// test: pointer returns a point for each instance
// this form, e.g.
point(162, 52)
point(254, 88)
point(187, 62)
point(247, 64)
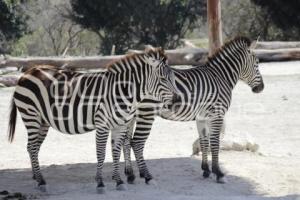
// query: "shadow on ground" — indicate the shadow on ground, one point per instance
point(177, 178)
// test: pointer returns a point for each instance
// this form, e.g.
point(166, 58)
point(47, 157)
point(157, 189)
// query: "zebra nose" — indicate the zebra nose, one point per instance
point(258, 88)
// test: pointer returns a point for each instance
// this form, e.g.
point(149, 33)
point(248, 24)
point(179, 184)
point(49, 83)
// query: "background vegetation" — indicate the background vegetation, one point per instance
point(93, 27)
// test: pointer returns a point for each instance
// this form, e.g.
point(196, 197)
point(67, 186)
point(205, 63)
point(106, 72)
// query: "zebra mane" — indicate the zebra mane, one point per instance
point(238, 39)
point(157, 52)
point(36, 71)
point(153, 52)
point(35, 67)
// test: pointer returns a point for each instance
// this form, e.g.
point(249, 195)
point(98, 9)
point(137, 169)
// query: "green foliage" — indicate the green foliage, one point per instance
point(38, 43)
point(134, 23)
point(53, 34)
point(201, 42)
point(12, 23)
point(89, 27)
point(285, 14)
point(248, 19)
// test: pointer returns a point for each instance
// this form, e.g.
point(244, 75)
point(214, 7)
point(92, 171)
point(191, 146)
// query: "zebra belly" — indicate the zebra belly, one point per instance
point(71, 119)
point(66, 119)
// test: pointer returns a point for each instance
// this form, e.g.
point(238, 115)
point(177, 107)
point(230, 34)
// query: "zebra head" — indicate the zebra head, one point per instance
point(162, 81)
point(250, 73)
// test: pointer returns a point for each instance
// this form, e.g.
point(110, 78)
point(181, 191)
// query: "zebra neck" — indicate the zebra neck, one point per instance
point(226, 68)
point(132, 81)
point(136, 71)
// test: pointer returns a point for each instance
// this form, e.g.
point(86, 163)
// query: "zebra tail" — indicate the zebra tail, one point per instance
point(12, 121)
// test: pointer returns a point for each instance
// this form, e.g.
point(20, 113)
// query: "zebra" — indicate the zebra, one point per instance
point(205, 96)
point(75, 103)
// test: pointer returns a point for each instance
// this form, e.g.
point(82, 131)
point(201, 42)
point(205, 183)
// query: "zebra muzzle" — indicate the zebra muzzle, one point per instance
point(258, 88)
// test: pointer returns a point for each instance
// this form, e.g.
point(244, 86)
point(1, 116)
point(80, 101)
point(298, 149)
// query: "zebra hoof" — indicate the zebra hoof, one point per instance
point(221, 180)
point(121, 187)
point(100, 190)
point(151, 182)
point(42, 188)
point(206, 174)
point(130, 179)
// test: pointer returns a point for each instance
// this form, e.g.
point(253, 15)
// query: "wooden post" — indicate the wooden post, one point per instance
point(214, 31)
point(214, 25)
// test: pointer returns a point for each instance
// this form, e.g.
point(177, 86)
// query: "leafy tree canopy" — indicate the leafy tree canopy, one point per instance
point(285, 14)
point(12, 22)
point(134, 23)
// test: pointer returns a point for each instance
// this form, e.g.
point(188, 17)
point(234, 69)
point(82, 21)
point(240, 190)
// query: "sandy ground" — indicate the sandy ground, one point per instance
point(271, 119)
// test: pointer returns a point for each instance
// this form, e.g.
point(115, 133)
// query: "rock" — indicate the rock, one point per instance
point(4, 192)
point(16, 195)
point(284, 98)
point(232, 143)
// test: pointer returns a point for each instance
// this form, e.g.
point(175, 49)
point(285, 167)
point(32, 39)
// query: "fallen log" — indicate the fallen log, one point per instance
point(278, 55)
point(90, 62)
point(190, 56)
point(277, 45)
point(186, 56)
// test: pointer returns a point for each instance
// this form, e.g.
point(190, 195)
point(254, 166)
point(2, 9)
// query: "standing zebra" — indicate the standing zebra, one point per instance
point(75, 103)
point(205, 93)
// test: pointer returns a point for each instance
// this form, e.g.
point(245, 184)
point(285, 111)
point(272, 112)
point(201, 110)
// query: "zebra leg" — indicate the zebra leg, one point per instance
point(204, 144)
point(142, 131)
point(128, 164)
point(127, 153)
point(101, 140)
point(117, 143)
point(36, 136)
point(215, 127)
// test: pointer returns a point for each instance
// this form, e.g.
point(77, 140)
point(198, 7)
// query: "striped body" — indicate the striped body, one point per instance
point(76, 103)
point(74, 100)
point(205, 93)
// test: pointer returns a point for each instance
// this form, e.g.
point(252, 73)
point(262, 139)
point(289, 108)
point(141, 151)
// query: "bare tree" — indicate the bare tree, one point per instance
point(52, 33)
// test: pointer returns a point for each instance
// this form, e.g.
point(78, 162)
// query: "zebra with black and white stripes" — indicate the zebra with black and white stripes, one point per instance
point(205, 93)
point(76, 103)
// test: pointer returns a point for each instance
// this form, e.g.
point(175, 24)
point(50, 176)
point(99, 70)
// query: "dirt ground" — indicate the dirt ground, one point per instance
point(271, 119)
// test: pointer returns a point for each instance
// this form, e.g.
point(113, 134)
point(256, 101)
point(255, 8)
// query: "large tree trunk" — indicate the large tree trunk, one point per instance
point(214, 33)
point(214, 25)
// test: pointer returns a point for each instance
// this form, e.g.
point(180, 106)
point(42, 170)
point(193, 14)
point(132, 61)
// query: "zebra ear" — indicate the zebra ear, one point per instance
point(151, 61)
point(254, 43)
point(161, 50)
point(149, 48)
